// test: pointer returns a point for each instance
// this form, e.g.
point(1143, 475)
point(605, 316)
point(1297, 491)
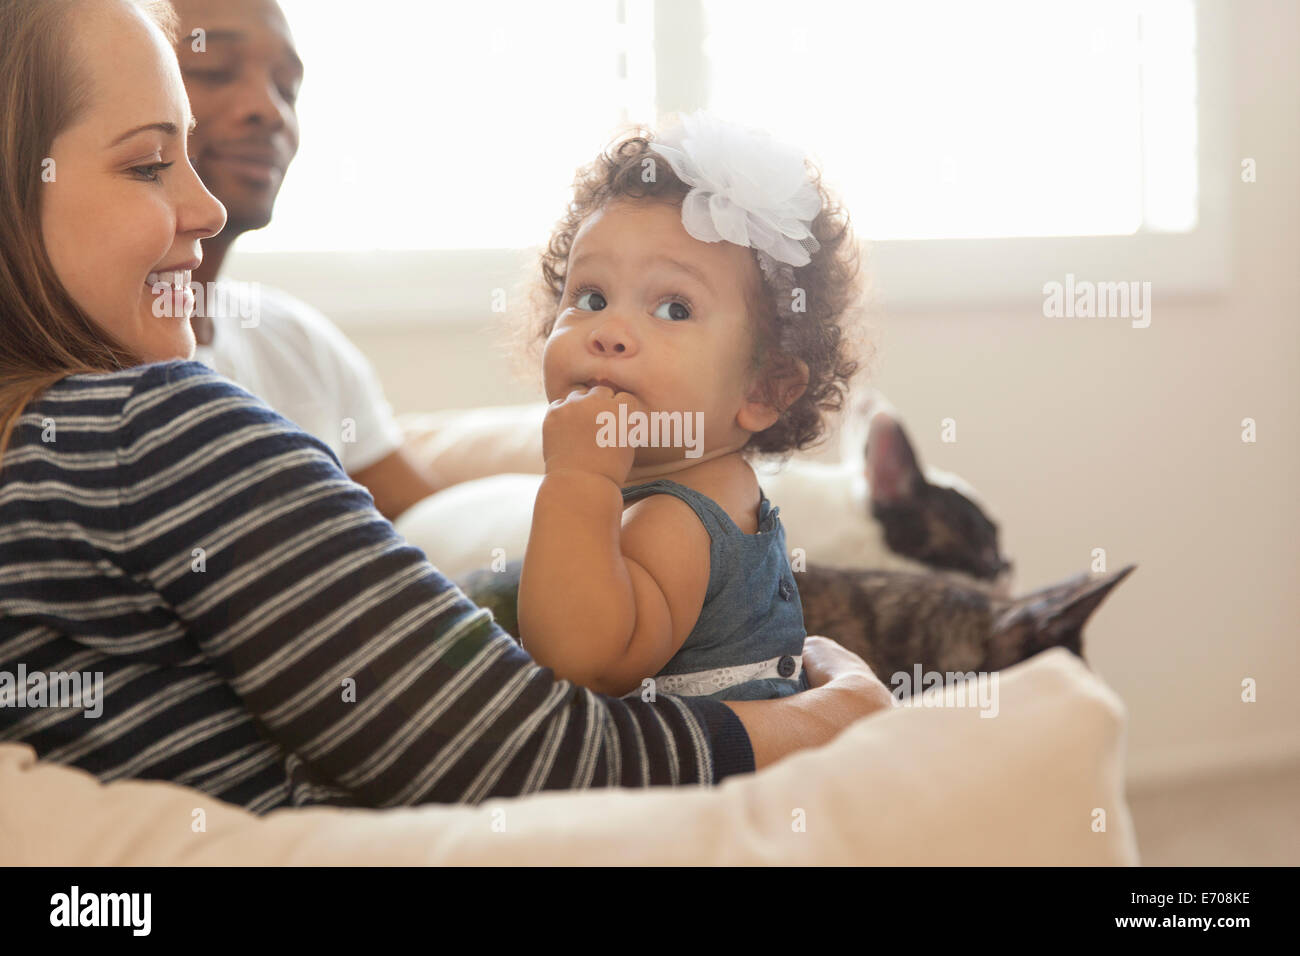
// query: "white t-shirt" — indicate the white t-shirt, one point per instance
point(298, 363)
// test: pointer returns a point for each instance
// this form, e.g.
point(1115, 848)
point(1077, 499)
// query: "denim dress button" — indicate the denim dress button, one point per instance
point(784, 590)
point(785, 666)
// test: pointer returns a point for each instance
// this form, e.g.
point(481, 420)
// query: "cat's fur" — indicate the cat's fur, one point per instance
point(894, 621)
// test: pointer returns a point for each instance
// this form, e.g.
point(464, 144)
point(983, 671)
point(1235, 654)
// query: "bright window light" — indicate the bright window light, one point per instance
point(460, 126)
point(451, 126)
point(945, 120)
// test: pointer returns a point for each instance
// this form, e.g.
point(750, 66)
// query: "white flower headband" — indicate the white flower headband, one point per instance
point(746, 187)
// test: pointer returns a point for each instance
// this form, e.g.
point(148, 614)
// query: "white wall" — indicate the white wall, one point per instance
point(1085, 434)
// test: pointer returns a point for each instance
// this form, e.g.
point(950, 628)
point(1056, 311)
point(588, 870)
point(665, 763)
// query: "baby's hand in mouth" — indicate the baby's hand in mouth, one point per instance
point(581, 433)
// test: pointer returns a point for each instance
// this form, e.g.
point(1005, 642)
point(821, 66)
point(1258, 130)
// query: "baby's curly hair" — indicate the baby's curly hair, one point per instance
point(830, 285)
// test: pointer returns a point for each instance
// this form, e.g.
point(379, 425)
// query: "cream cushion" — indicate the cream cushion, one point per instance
point(1040, 783)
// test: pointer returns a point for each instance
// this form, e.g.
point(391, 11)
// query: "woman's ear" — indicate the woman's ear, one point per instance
point(789, 380)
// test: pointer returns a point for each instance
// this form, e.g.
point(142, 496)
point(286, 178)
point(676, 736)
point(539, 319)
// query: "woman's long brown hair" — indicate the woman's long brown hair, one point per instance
point(44, 335)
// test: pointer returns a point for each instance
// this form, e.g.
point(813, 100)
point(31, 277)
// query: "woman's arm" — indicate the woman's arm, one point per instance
point(351, 652)
point(340, 639)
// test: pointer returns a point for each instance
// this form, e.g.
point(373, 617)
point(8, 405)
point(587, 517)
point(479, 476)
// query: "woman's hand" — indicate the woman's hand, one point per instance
point(826, 661)
point(832, 666)
point(843, 690)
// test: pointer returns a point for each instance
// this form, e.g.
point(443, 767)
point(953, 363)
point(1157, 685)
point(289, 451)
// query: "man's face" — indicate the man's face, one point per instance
point(242, 74)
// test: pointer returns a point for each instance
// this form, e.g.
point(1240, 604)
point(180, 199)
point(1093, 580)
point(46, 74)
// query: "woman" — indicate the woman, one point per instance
point(261, 632)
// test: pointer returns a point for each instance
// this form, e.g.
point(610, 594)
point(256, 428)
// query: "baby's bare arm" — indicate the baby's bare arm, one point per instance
point(603, 605)
point(667, 554)
point(600, 604)
point(576, 599)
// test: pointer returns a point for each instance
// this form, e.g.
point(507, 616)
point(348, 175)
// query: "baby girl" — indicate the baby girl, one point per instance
point(691, 309)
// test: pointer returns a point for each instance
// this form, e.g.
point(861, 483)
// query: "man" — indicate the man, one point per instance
point(242, 74)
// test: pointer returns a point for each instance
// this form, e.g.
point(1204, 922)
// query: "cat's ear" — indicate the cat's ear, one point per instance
point(1054, 616)
point(893, 474)
point(864, 403)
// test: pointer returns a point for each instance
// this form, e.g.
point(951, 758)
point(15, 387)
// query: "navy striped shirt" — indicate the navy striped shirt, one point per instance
point(265, 636)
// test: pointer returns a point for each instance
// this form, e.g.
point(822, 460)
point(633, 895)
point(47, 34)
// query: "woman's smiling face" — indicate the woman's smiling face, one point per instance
point(125, 209)
point(660, 314)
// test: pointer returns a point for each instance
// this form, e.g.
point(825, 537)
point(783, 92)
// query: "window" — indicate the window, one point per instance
point(943, 120)
point(450, 125)
point(982, 148)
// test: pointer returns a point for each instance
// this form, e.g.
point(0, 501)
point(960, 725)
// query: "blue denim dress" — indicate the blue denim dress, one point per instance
point(748, 641)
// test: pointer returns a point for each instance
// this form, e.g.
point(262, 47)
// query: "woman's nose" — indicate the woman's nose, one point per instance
point(612, 337)
point(201, 213)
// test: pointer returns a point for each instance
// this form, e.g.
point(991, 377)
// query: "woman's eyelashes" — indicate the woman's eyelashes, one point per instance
point(674, 309)
point(151, 172)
